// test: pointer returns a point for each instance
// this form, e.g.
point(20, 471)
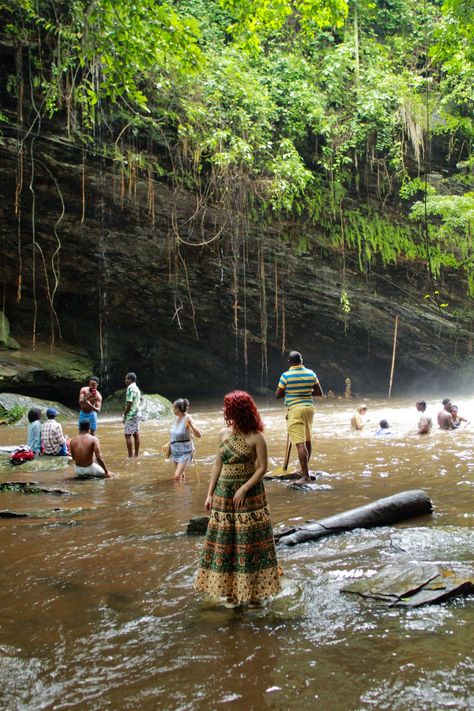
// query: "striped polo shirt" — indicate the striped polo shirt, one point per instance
point(298, 383)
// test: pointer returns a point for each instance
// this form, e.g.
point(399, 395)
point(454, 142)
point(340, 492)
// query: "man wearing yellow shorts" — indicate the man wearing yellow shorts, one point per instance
point(298, 385)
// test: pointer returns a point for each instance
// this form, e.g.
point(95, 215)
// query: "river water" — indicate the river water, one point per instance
point(97, 600)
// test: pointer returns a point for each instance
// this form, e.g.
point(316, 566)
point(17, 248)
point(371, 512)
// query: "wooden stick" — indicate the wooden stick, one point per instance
point(196, 469)
point(393, 356)
point(287, 453)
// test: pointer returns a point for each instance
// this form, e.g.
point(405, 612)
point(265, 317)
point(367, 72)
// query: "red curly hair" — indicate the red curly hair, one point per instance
point(240, 412)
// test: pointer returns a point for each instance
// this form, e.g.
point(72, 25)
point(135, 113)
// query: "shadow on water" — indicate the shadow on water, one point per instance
point(101, 613)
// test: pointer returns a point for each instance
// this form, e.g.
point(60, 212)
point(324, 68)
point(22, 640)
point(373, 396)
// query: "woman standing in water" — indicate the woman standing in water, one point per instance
point(181, 443)
point(239, 558)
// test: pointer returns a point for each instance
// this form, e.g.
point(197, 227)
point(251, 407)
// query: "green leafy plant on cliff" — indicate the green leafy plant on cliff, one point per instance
point(315, 113)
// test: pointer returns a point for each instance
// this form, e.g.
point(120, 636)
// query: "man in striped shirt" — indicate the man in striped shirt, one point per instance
point(298, 385)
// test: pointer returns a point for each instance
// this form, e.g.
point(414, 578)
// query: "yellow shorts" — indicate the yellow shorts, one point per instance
point(300, 422)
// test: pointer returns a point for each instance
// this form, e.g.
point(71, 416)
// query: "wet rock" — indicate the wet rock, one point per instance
point(32, 487)
point(152, 407)
point(59, 372)
point(411, 585)
point(197, 525)
point(5, 513)
point(11, 401)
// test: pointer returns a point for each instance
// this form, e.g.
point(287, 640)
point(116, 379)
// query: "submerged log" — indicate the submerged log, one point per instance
point(382, 512)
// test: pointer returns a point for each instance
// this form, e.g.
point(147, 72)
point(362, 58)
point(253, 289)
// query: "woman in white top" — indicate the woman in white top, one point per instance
point(181, 442)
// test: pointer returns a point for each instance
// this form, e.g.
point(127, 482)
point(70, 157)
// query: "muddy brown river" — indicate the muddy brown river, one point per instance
point(97, 603)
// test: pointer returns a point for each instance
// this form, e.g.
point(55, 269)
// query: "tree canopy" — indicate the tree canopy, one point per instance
point(348, 122)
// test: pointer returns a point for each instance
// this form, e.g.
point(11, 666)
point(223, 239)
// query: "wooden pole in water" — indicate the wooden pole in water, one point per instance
point(287, 453)
point(393, 355)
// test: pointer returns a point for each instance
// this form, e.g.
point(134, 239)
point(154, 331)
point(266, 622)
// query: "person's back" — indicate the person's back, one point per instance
point(445, 420)
point(82, 449)
point(53, 441)
point(34, 430)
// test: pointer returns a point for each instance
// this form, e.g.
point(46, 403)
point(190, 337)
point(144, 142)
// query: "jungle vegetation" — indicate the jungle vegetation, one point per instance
point(348, 122)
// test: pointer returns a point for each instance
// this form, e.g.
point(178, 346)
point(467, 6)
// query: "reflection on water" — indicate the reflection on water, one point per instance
point(98, 609)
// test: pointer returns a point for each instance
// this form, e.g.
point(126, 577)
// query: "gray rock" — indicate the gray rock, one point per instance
point(8, 401)
point(152, 407)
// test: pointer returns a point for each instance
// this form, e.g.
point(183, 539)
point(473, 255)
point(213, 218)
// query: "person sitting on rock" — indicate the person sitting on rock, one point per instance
point(53, 441)
point(83, 448)
point(34, 430)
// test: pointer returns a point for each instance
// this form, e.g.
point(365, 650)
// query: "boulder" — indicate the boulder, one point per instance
point(152, 407)
point(197, 525)
point(14, 408)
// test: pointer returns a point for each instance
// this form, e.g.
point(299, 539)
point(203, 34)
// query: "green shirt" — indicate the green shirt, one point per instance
point(133, 396)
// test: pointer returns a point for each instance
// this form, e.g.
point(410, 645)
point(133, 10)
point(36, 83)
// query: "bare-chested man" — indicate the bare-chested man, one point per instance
point(83, 447)
point(90, 402)
point(445, 418)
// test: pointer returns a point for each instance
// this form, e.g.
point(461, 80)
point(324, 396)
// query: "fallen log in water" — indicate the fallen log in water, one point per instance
point(382, 512)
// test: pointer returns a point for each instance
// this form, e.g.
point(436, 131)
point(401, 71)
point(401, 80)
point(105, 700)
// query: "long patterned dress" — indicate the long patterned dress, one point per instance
point(239, 558)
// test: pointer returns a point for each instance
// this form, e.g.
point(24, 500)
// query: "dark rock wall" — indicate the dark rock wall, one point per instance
point(195, 321)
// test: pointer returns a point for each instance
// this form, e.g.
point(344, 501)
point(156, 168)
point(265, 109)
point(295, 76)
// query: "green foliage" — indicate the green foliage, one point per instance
point(292, 109)
point(9, 417)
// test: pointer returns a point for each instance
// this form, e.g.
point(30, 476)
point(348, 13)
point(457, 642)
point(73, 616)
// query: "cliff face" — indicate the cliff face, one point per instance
point(103, 252)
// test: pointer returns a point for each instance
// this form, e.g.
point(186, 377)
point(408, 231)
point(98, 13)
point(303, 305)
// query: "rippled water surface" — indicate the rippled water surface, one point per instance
point(97, 600)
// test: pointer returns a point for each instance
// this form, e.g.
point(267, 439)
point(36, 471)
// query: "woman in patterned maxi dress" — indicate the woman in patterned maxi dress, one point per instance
point(239, 561)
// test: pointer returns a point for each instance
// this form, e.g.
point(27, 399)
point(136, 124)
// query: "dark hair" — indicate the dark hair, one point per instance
point(384, 424)
point(34, 414)
point(131, 376)
point(240, 412)
point(422, 404)
point(294, 358)
point(445, 401)
point(94, 378)
point(181, 404)
point(84, 426)
point(454, 407)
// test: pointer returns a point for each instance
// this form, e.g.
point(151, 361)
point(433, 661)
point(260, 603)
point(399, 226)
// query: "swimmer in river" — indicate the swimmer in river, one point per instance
point(445, 419)
point(457, 419)
point(425, 423)
point(384, 428)
point(358, 418)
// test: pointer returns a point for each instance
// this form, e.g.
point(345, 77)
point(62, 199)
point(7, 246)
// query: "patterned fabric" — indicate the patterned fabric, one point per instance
point(239, 557)
point(52, 437)
point(133, 396)
point(298, 383)
point(132, 425)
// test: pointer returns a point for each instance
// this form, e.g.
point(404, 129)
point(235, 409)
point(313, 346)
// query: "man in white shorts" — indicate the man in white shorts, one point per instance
point(83, 448)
